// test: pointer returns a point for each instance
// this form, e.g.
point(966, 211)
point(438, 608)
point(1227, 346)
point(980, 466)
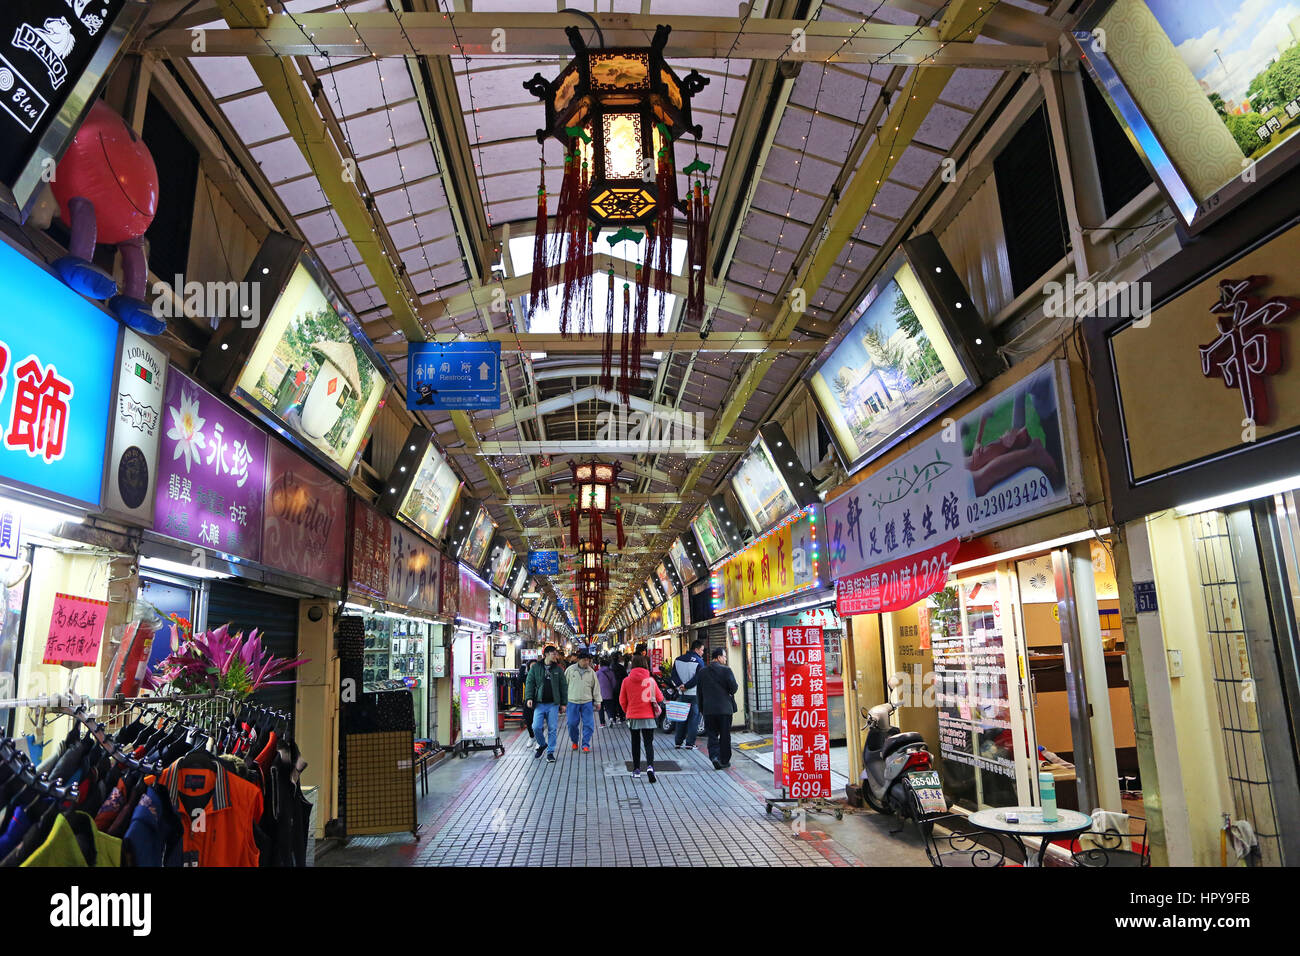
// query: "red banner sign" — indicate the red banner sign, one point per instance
point(805, 749)
point(76, 629)
point(897, 584)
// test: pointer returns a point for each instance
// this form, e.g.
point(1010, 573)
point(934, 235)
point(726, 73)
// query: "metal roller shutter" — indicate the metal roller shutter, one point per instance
point(274, 616)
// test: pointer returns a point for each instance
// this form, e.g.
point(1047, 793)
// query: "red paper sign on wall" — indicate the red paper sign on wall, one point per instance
point(800, 681)
point(896, 584)
point(76, 629)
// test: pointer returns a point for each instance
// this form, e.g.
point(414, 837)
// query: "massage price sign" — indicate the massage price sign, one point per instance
point(76, 630)
point(799, 677)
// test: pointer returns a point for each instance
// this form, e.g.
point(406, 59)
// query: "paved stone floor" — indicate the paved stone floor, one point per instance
point(588, 810)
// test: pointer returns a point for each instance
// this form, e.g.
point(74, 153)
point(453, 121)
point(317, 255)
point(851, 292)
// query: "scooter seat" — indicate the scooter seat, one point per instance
point(898, 741)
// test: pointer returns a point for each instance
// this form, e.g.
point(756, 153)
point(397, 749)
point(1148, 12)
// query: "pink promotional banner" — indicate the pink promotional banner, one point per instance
point(76, 630)
point(211, 472)
point(806, 746)
point(896, 584)
point(306, 513)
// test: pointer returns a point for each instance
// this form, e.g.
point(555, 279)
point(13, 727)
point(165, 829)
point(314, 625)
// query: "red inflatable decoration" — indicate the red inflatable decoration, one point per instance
point(110, 165)
point(107, 189)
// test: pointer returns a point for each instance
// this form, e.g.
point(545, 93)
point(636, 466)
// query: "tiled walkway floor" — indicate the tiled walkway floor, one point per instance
point(587, 810)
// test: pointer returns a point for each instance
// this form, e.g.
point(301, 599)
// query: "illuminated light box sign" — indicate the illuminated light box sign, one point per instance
point(474, 549)
point(708, 532)
point(414, 570)
point(661, 572)
point(783, 561)
point(898, 365)
point(431, 496)
point(137, 423)
point(306, 512)
point(312, 374)
point(57, 353)
point(762, 492)
point(682, 562)
point(212, 472)
point(54, 56)
point(1013, 459)
point(505, 558)
point(1206, 93)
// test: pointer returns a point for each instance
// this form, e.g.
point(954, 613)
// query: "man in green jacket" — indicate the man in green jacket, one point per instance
point(546, 691)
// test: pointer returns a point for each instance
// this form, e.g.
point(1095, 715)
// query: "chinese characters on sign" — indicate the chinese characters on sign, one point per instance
point(76, 629)
point(452, 375)
point(135, 427)
point(370, 550)
point(478, 707)
point(1246, 350)
point(997, 465)
point(896, 584)
point(780, 562)
point(799, 689)
point(212, 472)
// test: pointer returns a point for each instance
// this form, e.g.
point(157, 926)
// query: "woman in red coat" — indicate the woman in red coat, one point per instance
point(639, 697)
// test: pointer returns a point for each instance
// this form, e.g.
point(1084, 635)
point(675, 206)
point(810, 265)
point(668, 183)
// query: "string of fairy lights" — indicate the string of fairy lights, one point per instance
point(395, 257)
point(794, 188)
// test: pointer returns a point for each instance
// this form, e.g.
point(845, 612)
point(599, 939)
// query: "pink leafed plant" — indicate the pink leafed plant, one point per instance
point(221, 662)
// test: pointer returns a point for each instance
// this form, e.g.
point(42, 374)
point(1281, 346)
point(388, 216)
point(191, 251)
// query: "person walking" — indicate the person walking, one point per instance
point(583, 693)
point(716, 686)
point(640, 698)
point(684, 670)
point(608, 691)
point(528, 710)
point(546, 691)
point(620, 675)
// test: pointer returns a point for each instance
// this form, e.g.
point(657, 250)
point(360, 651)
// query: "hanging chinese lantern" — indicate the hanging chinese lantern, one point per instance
point(593, 487)
point(617, 112)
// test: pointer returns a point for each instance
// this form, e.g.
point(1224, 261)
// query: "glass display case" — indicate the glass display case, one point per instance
point(397, 657)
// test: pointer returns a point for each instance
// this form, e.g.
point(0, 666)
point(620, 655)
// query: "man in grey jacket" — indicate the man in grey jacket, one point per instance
point(684, 669)
point(583, 694)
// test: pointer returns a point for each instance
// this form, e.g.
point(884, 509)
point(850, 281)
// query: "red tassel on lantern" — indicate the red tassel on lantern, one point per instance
point(618, 525)
point(607, 352)
point(596, 534)
point(539, 295)
point(697, 238)
point(573, 527)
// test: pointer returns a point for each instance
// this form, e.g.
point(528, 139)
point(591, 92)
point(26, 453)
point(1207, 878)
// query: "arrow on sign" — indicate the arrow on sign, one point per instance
point(483, 370)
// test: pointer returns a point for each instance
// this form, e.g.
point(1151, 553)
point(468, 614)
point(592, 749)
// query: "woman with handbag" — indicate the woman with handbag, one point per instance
point(642, 702)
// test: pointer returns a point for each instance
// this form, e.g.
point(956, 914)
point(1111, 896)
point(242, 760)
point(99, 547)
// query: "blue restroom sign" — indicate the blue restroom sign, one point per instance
point(453, 375)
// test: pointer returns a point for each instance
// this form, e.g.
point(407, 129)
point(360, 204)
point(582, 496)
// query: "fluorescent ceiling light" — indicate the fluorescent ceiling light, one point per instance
point(182, 570)
point(536, 355)
point(1217, 502)
point(1029, 549)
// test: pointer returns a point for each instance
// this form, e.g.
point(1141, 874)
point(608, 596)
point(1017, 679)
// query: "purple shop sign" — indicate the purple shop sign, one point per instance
point(211, 472)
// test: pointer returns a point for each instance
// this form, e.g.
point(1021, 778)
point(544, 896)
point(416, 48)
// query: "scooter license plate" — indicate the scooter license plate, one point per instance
point(928, 790)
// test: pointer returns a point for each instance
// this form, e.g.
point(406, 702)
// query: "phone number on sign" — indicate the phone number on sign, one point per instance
point(1008, 500)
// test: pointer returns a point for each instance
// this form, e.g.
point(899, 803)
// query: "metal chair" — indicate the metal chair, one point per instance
point(958, 848)
point(1109, 847)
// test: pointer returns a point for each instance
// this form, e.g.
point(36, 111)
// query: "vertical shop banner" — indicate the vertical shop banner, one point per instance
point(806, 746)
point(449, 596)
point(478, 653)
point(656, 659)
point(212, 472)
point(474, 597)
point(305, 509)
point(56, 374)
point(413, 570)
point(135, 427)
point(478, 707)
point(76, 630)
point(896, 584)
point(997, 465)
point(780, 748)
point(780, 562)
point(371, 550)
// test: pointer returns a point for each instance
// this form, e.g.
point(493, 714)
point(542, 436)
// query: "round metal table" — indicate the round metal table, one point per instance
point(1069, 823)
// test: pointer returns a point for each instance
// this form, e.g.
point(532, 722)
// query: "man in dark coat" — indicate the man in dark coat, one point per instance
point(716, 687)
